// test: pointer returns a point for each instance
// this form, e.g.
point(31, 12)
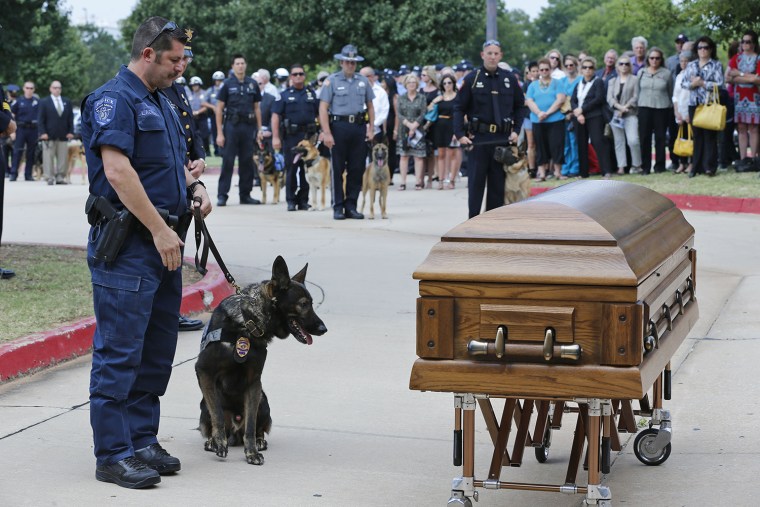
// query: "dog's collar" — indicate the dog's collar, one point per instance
point(309, 163)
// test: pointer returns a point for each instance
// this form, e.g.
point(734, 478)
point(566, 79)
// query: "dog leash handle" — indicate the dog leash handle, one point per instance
point(203, 236)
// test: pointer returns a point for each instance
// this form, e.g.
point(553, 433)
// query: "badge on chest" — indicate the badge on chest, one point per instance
point(242, 347)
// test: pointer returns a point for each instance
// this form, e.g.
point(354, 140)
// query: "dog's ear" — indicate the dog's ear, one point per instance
point(300, 277)
point(280, 275)
point(313, 139)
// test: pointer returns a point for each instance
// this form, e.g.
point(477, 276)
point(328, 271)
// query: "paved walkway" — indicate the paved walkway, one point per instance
point(347, 430)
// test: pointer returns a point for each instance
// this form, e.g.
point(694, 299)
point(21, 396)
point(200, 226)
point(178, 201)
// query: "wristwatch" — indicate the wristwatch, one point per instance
point(191, 186)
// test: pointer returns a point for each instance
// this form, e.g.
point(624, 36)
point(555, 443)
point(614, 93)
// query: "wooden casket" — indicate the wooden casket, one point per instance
point(584, 291)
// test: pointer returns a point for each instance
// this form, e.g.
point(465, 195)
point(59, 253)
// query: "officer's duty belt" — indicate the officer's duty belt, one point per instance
point(350, 118)
point(27, 124)
point(488, 128)
point(308, 129)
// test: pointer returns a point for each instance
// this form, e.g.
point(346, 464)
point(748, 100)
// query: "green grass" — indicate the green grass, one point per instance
point(51, 287)
point(725, 184)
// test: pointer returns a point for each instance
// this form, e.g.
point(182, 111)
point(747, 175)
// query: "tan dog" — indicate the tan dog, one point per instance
point(376, 179)
point(76, 154)
point(264, 160)
point(317, 170)
point(517, 187)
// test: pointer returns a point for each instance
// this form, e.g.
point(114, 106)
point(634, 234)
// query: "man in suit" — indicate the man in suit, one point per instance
point(55, 123)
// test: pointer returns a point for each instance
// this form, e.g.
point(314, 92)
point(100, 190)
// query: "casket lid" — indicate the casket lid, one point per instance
point(585, 233)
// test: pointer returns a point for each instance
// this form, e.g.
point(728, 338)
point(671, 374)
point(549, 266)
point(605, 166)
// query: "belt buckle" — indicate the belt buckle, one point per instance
point(492, 128)
point(351, 118)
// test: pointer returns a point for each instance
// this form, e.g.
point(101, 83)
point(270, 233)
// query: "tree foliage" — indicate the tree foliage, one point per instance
point(723, 20)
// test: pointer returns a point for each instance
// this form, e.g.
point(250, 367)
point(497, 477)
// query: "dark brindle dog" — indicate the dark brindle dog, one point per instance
point(264, 160)
point(234, 408)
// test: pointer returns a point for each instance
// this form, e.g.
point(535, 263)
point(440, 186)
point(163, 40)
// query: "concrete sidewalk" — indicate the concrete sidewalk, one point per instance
point(347, 430)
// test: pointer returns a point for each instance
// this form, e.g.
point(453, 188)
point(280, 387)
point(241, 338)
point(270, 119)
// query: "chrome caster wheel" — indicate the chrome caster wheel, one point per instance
point(542, 452)
point(646, 451)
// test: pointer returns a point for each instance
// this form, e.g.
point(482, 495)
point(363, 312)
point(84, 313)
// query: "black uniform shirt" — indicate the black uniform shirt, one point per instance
point(238, 97)
point(301, 107)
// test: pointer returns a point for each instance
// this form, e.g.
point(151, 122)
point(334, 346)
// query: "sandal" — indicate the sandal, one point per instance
point(418, 186)
point(402, 187)
point(449, 184)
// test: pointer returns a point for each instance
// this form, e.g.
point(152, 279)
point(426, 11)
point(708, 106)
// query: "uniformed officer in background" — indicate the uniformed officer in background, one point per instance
point(136, 152)
point(347, 119)
point(494, 105)
point(294, 117)
point(25, 111)
point(7, 127)
point(238, 119)
point(195, 155)
point(212, 93)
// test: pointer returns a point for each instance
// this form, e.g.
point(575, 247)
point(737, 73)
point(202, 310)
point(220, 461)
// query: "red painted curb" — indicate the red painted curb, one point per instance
point(40, 350)
point(700, 202)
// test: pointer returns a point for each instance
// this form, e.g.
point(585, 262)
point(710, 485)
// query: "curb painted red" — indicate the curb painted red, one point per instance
point(40, 350)
point(700, 202)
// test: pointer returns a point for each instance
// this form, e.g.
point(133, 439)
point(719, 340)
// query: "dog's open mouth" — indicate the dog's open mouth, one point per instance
point(299, 332)
point(297, 157)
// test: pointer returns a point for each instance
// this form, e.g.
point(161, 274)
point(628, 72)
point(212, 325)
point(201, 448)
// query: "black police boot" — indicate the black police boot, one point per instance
point(352, 213)
point(304, 206)
point(221, 201)
point(186, 324)
point(6, 273)
point(128, 473)
point(157, 458)
point(339, 215)
point(291, 207)
point(247, 199)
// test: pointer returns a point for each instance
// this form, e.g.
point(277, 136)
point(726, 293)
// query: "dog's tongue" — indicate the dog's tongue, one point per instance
point(296, 158)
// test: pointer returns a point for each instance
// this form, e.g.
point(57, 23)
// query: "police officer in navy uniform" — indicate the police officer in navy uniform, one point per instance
point(7, 127)
point(294, 118)
point(25, 111)
point(195, 155)
point(347, 117)
point(494, 105)
point(238, 119)
point(136, 150)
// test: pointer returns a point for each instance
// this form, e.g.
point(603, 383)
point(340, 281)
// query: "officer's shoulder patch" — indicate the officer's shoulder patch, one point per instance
point(105, 110)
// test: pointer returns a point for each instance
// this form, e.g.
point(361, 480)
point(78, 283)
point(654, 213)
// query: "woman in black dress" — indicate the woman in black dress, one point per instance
point(443, 133)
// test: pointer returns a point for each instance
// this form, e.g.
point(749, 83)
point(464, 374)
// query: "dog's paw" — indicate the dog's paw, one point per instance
point(254, 457)
point(261, 444)
point(217, 446)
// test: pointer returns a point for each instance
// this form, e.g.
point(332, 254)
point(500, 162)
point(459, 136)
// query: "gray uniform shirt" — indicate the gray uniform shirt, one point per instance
point(347, 96)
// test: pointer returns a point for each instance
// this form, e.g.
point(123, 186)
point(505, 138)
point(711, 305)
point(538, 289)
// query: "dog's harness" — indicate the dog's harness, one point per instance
point(312, 162)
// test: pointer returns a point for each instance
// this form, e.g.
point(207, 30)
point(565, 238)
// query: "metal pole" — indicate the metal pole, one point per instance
point(491, 14)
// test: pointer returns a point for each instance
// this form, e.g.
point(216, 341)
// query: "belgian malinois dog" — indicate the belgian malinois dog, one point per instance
point(233, 352)
point(264, 160)
point(376, 179)
point(317, 170)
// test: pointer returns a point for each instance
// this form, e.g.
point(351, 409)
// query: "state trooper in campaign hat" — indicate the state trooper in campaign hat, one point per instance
point(347, 117)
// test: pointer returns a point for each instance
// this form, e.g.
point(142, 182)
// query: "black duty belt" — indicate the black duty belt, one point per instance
point(488, 128)
point(27, 124)
point(350, 118)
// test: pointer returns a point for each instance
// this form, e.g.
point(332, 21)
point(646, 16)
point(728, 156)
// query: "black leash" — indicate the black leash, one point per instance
point(203, 236)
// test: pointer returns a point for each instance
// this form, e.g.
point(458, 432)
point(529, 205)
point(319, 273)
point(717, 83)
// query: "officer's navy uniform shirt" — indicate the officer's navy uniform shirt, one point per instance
point(25, 111)
point(300, 107)
point(475, 100)
point(347, 96)
point(124, 114)
point(239, 97)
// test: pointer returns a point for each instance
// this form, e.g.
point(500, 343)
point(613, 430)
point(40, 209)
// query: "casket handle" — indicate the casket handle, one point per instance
point(549, 344)
point(481, 348)
point(499, 343)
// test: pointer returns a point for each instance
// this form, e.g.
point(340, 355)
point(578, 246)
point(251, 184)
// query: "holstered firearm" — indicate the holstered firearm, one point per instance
point(111, 227)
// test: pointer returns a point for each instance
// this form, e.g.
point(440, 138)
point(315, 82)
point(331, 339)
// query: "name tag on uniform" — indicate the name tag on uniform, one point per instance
point(233, 89)
point(479, 84)
point(341, 87)
point(291, 98)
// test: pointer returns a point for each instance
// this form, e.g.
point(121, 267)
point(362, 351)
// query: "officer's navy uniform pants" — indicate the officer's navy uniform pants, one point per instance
point(238, 141)
point(349, 154)
point(137, 304)
point(296, 186)
point(25, 137)
point(485, 173)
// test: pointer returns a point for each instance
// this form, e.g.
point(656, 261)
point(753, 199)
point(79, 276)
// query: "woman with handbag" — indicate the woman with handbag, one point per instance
point(410, 114)
point(681, 110)
point(588, 101)
point(622, 97)
point(655, 92)
point(702, 77)
point(429, 80)
point(743, 70)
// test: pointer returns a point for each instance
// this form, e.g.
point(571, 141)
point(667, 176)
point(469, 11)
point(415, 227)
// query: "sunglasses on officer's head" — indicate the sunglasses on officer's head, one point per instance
point(491, 42)
point(168, 27)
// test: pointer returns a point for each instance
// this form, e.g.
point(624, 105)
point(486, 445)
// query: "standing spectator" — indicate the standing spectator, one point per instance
point(609, 70)
point(571, 166)
point(347, 118)
point(744, 73)
point(588, 100)
point(212, 93)
point(379, 103)
point(655, 92)
point(495, 105)
point(673, 63)
point(137, 295)
point(263, 78)
point(25, 111)
point(7, 127)
point(545, 98)
point(531, 74)
point(238, 117)
point(639, 60)
point(389, 85)
point(622, 97)
point(700, 77)
point(555, 57)
point(444, 132)
point(55, 124)
point(294, 118)
point(410, 113)
point(681, 107)
point(430, 90)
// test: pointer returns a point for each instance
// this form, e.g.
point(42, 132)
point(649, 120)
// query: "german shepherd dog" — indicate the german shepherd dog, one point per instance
point(317, 170)
point(263, 157)
point(234, 408)
point(376, 179)
point(75, 154)
point(517, 184)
